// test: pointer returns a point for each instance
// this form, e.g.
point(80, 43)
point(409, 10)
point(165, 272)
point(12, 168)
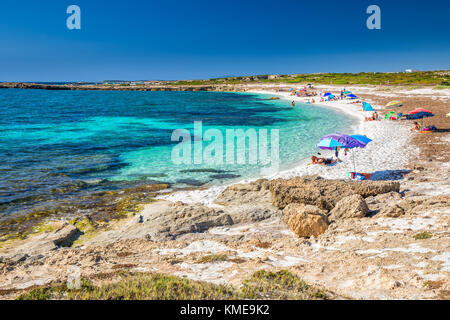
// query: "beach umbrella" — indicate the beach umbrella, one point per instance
point(347, 92)
point(329, 144)
point(346, 141)
point(421, 115)
point(352, 96)
point(361, 138)
point(327, 94)
point(419, 110)
point(394, 103)
point(367, 107)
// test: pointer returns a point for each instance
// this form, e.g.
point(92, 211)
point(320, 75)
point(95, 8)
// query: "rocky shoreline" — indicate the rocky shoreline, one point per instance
point(360, 240)
point(24, 85)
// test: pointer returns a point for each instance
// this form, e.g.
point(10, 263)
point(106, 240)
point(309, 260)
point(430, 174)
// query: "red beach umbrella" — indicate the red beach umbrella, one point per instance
point(417, 110)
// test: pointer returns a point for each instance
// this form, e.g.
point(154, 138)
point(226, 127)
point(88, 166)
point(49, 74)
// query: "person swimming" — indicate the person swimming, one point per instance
point(293, 103)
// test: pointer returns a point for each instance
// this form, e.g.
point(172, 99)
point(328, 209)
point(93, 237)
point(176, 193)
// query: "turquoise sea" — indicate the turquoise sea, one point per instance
point(57, 147)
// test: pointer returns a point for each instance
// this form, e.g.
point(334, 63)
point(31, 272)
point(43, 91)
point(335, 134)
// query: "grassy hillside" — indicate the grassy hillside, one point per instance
point(435, 78)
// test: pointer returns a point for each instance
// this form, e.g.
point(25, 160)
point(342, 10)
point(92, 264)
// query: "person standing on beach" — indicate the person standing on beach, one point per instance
point(342, 94)
point(336, 153)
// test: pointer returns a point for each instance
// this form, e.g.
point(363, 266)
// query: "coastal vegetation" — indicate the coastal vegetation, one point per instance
point(436, 78)
point(422, 236)
point(141, 286)
point(213, 258)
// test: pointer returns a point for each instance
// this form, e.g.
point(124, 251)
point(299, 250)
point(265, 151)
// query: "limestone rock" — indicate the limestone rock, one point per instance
point(237, 194)
point(324, 193)
point(305, 220)
point(248, 213)
point(352, 206)
point(40, 244)
point(180, 218)
point(391, 211)
point(415, 205)
point(64, 235)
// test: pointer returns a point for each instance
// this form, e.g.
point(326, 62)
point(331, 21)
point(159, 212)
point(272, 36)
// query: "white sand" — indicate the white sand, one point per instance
point(384, 156)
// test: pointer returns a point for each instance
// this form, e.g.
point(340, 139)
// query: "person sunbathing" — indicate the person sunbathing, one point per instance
point(322, 161)
point(416, 127)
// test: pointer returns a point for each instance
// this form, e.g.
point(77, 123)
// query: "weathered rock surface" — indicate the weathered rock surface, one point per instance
point(237, 194)
point(305, 220)
point(323, 193)
point(247, 213)
point(175, 219)
point(41, 243)
point(352, 206)
point(392, 205)
point(393, 211)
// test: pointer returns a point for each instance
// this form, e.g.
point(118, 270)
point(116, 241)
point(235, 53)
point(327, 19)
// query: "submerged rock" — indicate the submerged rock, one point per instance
point(305, 220)
point(191, 182)
point(224, 176)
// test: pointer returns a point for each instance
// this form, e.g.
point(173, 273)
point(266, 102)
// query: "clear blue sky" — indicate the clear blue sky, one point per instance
point(193, 39)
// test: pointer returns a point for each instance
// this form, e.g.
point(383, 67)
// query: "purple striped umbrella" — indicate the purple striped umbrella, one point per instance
point(346, 140)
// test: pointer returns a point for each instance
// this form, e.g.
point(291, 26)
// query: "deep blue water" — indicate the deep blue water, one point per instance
point(60, 144)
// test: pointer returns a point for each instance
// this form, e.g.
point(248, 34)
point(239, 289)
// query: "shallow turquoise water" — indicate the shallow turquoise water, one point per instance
point(107, 140)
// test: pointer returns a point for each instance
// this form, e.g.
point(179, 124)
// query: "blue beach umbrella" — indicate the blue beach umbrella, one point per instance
point(327, 94)
point(334, 140)
point(352, 96)
point(367, 107)
point(345, 141)
point(361, 138)
point(421, 115)
point(329, 144)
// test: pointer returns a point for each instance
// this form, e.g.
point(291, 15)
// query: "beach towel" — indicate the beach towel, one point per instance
point(359, 176)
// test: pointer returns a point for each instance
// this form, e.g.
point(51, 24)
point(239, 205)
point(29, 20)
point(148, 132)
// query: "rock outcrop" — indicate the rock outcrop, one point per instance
point(237, 194)
point(42, 243)
point(323, 193)
point(174, 219)
point(352, 206)
point(305, 220)
point(392, 205)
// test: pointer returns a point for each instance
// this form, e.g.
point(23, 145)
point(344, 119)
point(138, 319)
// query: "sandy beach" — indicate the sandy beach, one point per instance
point(389, 240)
point(390, 150)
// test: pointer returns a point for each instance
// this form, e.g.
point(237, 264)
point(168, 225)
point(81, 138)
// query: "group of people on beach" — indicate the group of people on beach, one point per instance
point(374, 117)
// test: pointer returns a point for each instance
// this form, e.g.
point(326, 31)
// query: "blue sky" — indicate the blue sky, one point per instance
point(193, 39)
